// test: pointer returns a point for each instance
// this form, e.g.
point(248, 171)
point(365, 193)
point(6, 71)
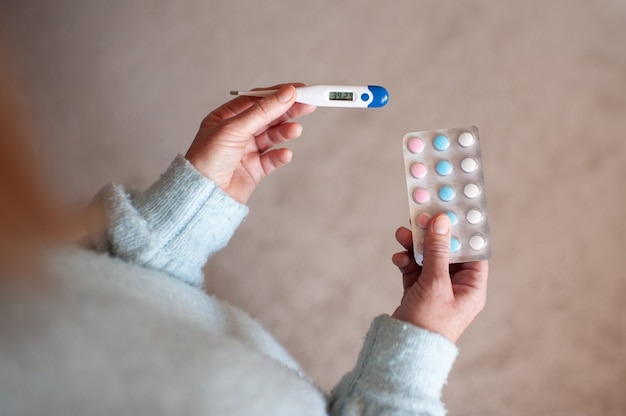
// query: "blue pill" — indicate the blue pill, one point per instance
point(455, 244)
point(453, 217)
point(444, 167)
point(446, 193)
point(441, 142)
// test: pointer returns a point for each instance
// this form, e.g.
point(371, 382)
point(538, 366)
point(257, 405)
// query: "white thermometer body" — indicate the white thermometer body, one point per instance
point(371, 96)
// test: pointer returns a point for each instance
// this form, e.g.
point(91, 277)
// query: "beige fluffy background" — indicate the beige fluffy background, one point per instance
point(116, 88)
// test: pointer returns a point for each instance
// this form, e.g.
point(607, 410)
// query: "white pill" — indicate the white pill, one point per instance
point(466, 139)
point(468, 165)
point(471, 190)
point(477, 242)
point(474, 216)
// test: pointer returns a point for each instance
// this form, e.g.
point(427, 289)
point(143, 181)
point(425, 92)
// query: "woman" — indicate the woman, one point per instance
point(123, 327)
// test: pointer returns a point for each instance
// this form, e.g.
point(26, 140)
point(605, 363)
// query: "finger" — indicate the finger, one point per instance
point(401, 260)
point(263, 112)
point(242, 103)
point(230, 109)
point(279, 86)
point(480, 277)
point(296, 110)
point(409, 280)
point(404, 236)
point(277, 135)
point(470, 286)
point(473, 274)
point(437, 249)
point(406, 264)
point(274, 159)
point(481, 267)
point(299, 110)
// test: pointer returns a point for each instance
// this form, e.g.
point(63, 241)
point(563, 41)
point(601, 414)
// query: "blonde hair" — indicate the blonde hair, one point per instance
point(28, 215)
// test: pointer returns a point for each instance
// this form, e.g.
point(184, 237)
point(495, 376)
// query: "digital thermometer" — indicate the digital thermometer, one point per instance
point(371, 96)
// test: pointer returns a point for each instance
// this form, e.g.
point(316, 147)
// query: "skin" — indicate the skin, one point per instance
point(235, 144)
point(440, 297)
point(236, 148)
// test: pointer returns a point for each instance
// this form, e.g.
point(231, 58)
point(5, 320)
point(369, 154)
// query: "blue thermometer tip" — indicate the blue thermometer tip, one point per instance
point(380, 94)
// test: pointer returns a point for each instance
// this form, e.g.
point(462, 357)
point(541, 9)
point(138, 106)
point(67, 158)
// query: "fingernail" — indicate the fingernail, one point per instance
point(284, 94)
point(442, 225)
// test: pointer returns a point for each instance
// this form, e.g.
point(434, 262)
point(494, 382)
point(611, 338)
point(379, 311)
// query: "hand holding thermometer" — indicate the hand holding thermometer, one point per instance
point(371, 96)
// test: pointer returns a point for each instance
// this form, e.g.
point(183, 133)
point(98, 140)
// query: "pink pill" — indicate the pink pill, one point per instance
point(415, 145)
point(418, 170)
point(421, 195)
point(423, 220)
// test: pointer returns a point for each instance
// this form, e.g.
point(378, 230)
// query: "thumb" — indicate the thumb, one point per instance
point(266, 110)
point(437, 248)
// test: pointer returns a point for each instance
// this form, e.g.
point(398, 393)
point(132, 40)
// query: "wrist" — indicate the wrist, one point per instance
point(419, 321)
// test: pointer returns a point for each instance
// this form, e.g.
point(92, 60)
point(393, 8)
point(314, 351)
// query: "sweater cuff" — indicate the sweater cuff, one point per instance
point(402, 366)
point(175, 225)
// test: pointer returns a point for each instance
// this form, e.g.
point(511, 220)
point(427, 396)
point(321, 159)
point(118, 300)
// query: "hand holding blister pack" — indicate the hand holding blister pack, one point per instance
point(444, 173)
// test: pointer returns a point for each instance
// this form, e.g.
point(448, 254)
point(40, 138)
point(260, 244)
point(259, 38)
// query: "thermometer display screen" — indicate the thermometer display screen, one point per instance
point(340, 96)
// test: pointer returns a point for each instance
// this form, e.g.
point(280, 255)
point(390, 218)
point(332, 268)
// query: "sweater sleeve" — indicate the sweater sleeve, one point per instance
point(174, 226)
point(401, 370)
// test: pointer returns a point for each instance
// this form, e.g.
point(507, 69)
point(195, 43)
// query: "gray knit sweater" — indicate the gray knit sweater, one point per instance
point(128, 331)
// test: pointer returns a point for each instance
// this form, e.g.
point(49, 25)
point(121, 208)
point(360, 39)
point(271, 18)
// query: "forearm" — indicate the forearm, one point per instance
point(174, 226)
point(401, 370)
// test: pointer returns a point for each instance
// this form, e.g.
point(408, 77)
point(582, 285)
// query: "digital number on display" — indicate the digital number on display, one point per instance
point(341, 96)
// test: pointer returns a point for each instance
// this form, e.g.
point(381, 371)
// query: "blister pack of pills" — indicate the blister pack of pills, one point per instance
point(444, 173)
